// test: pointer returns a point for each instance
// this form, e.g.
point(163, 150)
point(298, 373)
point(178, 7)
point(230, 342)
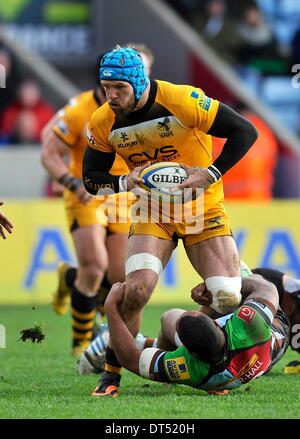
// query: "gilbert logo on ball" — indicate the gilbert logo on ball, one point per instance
point(160, 178)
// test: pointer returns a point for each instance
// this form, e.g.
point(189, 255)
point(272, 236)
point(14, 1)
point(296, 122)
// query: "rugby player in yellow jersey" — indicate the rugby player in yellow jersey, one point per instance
point(98, 239)
point(129, 124)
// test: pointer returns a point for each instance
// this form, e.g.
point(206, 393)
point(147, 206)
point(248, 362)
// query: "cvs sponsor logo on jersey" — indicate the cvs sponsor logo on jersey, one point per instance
point(164, 151)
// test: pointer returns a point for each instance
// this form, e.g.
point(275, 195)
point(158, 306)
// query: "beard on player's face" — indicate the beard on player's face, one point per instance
point(123, 109)
point(120, 97)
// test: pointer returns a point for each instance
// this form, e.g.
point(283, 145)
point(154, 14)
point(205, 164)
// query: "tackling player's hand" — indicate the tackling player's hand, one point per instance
point(4, 224)
point(198, 177)
point(201, 295)
point(115, 296)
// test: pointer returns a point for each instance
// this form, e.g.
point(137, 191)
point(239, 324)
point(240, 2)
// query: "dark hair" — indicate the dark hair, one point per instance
point(97, 68)
point(200, 336)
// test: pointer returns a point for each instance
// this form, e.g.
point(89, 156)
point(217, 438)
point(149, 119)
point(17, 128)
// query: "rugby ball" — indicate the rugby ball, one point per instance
point(159, 178)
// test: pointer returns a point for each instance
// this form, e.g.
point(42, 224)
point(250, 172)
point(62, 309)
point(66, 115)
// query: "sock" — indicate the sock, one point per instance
point(150, 342)
point(83, 314)
point(112, 364)
point(71, 276)
point(143, 342)
point(103, 292)
point(292, 285)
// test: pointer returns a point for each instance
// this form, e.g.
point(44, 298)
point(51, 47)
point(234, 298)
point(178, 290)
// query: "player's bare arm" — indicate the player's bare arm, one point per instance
point(240, 134)
point(5, 224)
point(258, 289)
point(54, 152)
point(121, 339)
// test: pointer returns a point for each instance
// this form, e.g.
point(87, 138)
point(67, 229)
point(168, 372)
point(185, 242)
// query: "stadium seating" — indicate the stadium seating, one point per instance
point(285, 30)
point(251, 76)
point(289, 116)
point(279, 90)
point(267, 6)
point(289, 8)
point(284, 8)
point(283, 16)
point(278, 93)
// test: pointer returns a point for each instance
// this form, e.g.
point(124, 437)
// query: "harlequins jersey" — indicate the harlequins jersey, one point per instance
point(248, 336)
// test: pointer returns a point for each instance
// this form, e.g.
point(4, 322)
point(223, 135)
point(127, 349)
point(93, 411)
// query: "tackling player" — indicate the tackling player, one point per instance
point(99, 239)
point(289, 300)
point(160, 121)
point(195, 350)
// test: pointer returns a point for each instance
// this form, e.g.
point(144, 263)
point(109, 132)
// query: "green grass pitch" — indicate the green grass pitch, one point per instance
point(39, 381)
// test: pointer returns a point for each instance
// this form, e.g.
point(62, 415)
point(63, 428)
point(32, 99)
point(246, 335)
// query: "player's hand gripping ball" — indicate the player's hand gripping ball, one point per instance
point(161, 177)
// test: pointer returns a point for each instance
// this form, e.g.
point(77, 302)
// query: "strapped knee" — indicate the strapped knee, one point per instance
point(226, 293)
point(143, 261)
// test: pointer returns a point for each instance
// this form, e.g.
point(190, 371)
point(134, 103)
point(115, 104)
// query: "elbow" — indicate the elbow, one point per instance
point(252, 132)
point(88, 184)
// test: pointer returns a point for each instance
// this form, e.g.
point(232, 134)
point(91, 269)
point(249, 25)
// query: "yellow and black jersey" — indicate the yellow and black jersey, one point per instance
point(172, 126)
point(71, 128)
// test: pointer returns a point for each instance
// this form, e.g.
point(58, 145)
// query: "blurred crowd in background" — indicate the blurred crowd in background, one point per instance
point(23, 110)
point(264, 34)
point(259, 39)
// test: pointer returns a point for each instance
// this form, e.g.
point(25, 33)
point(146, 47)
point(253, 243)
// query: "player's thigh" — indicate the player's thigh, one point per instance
point(89, 242)
point(217, 256)
point(116, 248)
point(169, 321)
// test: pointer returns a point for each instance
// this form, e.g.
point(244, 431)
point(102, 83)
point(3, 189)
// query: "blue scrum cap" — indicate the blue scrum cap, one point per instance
point(125, 64)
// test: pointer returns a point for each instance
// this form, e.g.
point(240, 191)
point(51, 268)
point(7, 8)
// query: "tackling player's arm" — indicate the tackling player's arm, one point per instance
point(256, 289)
point(120, 337)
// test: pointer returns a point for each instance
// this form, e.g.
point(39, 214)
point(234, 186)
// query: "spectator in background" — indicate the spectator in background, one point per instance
point(217, 29)
point(258, 45)
point(24, 119)
point(12, 79)
point(253, 177)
